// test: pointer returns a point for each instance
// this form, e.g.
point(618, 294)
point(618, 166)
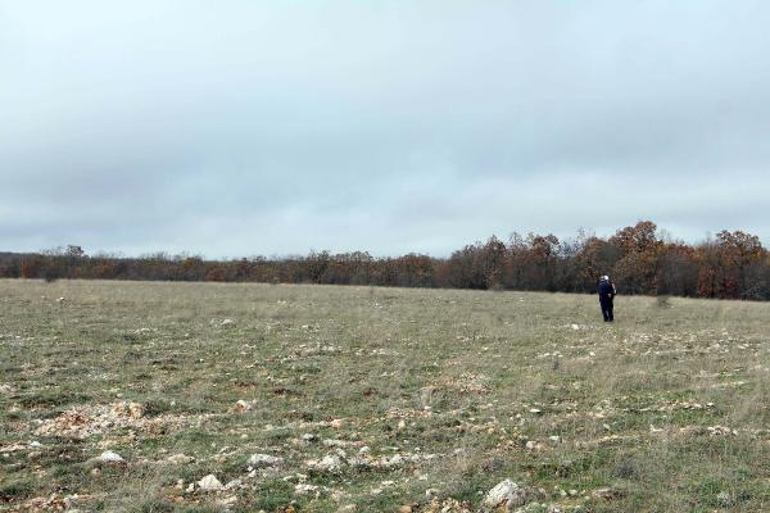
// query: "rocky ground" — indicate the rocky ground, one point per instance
point(202, 397)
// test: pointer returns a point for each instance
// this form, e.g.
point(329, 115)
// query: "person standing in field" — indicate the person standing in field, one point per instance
point(607, 294)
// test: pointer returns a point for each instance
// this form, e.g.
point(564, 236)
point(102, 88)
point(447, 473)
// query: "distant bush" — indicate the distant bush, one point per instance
point(51, 273)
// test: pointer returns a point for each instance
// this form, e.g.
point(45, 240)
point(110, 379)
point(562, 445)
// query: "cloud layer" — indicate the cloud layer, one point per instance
point(275, 127)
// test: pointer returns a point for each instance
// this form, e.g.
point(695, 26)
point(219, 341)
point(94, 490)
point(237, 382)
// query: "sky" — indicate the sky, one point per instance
point(239, 128)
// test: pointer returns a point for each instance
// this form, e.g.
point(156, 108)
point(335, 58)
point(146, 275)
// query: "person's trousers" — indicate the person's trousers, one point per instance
point(607, 306)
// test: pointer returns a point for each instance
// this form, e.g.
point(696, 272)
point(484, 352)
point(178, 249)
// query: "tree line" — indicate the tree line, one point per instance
point(732, 265)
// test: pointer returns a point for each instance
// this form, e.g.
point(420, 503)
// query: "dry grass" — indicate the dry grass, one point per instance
point(450, 391)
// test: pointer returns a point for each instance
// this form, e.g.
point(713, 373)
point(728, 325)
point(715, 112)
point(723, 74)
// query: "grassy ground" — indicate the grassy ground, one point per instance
point(371, 398)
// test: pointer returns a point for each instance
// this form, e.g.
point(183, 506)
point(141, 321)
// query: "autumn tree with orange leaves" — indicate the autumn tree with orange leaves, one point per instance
point(730, 265)
point(733, 265)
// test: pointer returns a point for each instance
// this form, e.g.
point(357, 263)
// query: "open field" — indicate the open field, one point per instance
point(359, 399)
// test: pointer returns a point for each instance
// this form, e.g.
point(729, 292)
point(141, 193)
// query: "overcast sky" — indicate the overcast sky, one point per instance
point(273, 127)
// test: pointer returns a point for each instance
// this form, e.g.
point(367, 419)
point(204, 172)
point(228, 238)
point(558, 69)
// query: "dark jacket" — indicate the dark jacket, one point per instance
point(606, 290)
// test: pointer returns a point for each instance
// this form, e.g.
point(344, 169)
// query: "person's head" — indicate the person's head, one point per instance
point(605, 278)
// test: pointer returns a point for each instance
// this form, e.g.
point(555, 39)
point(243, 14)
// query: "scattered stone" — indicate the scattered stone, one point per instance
point(180, 459)
point(308, 489)
point(335, 443)
point(533, 445)
point(228, 501)
point(395, 461)
point(608, 494)
point(53, 503)
point(227, 322)
point(210, 483)
point(5, 388)
point(111, 458)
point(84, 421)
point(234, 484)
point(264, 460)
point(507, 494)
point(725, 499)
point(242, 405)
point(448, 506)
point(721, 431)
point(13, 448)
point(329, 463)
point(72, 501)
point(128, 409)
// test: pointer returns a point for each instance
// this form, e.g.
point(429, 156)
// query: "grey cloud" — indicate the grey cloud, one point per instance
point(402, 126)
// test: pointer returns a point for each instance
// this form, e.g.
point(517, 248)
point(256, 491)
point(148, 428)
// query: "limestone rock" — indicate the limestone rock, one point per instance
point(210, 483)
point(111, 458)
point(242, 405)
point(506, 494)
point(264, 460)
point(329, 463)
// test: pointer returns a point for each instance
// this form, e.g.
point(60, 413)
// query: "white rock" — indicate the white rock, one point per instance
point(111, 457)
point(329, 463)
point(242, 405)
point(210, 483)
point(264, 460)
point(235, 483)
point(725, 499)
point(394, 461)
point(227, 322)
point(506, 493)
point(335, 443)
point(307, 489)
